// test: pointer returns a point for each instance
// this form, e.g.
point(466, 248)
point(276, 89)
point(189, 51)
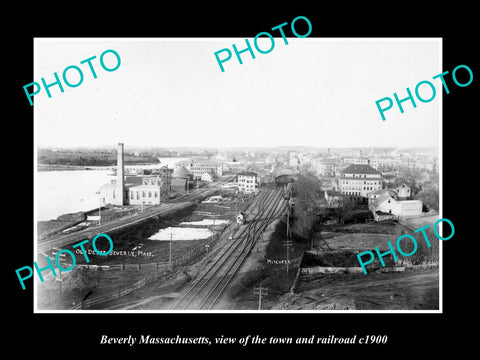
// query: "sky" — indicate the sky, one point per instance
point(171, 93)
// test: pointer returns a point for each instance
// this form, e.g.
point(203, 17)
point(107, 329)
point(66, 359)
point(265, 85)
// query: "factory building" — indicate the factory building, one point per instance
point(131, 190)
point(199, 167)
point(357, 181)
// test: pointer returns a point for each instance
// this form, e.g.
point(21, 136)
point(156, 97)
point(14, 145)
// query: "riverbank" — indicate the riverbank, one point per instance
point(50, 167)
point(47, 167)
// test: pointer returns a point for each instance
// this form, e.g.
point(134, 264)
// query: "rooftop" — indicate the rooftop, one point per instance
point(381, 199)
point(361, 169)
point(181, 172)
point(206, 163)
point(333, 193)
point(390, 192)
point(247, 173)
point(282, 172)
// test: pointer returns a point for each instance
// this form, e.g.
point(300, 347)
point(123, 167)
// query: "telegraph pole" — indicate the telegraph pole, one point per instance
point(170, 253)
point(287, 242)
point(288, 223)
point(260, 291)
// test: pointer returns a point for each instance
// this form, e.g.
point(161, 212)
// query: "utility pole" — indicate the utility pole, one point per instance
point(287, 242)
point(170, 253)
point(260, 291)
point(99, 207)
point(288, 223)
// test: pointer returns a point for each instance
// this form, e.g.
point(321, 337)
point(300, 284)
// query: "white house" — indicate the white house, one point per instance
point(247, 182)
point(403, 191)
point(208, 176)
point(400, 209)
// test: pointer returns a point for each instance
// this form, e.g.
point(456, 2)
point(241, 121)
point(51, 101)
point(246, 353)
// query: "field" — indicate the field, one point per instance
point(412, 290)
point(138, 255)
point(336, 246)
point(408, 290)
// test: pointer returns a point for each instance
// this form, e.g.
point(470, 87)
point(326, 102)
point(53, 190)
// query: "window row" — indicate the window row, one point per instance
point(136, 194)
point(355, 182)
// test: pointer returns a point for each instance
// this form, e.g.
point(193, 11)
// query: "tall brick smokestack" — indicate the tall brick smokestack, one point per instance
point(120, 188)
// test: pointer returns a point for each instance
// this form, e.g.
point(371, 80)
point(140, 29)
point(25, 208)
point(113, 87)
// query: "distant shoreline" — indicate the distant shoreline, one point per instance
point(47, 167)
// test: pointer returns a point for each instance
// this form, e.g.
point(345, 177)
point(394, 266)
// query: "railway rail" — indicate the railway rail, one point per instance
point(209, 286)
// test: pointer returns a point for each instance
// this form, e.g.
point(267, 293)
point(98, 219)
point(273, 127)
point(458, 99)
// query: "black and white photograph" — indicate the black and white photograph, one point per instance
point(238, 190)
point(233, 180)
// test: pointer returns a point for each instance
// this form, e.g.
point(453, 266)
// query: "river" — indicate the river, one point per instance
point(70, 191)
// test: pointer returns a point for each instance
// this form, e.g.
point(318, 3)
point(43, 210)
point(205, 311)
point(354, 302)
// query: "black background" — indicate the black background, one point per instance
point(409, 335)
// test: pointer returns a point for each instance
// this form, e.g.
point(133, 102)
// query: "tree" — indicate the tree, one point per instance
point(342, 211)
point(430, 198)
point(308, 196)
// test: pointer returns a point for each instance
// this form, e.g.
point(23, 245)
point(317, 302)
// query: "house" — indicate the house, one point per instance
point(201, 166)
point(403, 191)
point(334, 199)
point(247, 182)
point(357, 160)
point(325, 167)
point(371, 196)
point(400, 209)
point(382, 216)
point(208, 176)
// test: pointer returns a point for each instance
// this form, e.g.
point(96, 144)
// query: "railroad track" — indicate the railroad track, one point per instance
point(115, 224)
point(205, 291)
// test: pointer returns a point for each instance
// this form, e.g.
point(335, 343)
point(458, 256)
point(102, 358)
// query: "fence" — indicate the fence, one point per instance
point(164, 268)
point(139, 266)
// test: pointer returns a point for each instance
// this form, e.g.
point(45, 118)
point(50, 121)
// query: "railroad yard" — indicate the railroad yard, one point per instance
point(213, 260)
point(154, 267)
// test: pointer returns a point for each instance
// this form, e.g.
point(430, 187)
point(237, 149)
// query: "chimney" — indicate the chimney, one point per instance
point(120, 188)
